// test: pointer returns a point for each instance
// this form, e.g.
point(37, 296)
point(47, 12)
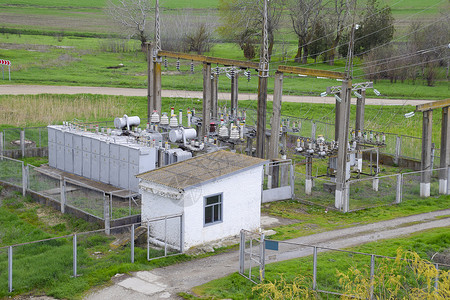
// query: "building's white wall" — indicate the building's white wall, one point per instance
point(155, 205)
point(241, 207)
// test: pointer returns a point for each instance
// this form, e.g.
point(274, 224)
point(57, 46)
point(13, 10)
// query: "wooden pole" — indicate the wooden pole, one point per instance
point(206, 98)
point(261, 116)
point(425, 178)
point(276, 116)
point(150, 99)
point(444, 187)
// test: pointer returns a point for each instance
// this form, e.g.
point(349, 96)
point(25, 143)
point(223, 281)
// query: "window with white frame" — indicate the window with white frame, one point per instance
point(213, 209)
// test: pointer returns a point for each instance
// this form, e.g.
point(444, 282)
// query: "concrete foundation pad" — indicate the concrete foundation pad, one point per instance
point(141, 286)
point(443, 186)
point(425, 189)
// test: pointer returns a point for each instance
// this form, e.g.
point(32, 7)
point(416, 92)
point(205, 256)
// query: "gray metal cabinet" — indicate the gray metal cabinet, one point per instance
point(114, 172)
point(124, 175)
point(86, 164)
point(77, 142)
point(78, 162)
point(68, 160)
point(95, 167)
point(52, 154)
point(68, 139)
point(104, 169)
point(60, 156)
point(87, 144)
point(95, 146)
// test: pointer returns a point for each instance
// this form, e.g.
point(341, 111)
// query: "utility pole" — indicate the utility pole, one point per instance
point(342, 175)
point(262, 89)
point(157, 63)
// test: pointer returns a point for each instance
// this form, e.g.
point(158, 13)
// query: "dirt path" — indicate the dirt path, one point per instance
point(40, 89)
point(165, 283)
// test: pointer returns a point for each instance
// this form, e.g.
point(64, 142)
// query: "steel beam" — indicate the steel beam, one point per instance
point(433, 105)
point(210, 60)
point(311, 72)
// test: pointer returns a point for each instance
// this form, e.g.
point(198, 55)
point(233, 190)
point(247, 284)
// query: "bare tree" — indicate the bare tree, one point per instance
point(304, 16)
point(184, 32)
point(134, 16)
point(242, 22)
point(339, 16)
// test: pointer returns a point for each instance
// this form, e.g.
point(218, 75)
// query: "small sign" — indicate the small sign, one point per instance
point(271, 245)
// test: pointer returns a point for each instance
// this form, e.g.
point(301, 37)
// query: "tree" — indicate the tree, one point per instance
point(376, 28)
point(242, 22)
point(304, 17)
point(133, 16)
point(339, 16)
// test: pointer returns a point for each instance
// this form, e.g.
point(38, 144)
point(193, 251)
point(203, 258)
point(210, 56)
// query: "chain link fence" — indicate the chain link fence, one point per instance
point(326, 269)
point(95, 204)
point(31, 265)
point(368, 192)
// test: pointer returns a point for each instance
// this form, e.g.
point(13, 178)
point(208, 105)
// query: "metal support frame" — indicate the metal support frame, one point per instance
point(234, 94)
point(276, 116)
point(444, 186)
point(24, 179)
point(214, 94)
point(341, 194)
point(150, 96)
point(425, 178)
point(206, 98)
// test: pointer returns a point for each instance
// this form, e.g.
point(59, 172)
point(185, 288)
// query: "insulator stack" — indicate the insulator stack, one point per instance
point(178, 64)
point(192, 66)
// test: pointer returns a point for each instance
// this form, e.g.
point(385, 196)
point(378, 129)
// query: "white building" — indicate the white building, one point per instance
point(218, 194)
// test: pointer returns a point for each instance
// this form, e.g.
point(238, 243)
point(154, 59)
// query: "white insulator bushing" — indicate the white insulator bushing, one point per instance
point(126, 121)
point(223, 131)
point(173, 121)
point(164, 119)
point(320, 139)
point(176, 135)
point(155, 117)
point(180, 117)
point(234, 134)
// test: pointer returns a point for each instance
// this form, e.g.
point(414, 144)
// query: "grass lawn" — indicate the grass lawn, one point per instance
point(234, 286)
point(46, 267)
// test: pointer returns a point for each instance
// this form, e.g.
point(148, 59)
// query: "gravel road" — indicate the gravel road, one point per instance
point(165, 283)
point(40, 89)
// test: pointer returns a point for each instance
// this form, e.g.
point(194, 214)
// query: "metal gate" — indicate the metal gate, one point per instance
point(251, 256)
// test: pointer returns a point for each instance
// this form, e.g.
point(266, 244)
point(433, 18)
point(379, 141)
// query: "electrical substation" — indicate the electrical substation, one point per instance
point(173, 145)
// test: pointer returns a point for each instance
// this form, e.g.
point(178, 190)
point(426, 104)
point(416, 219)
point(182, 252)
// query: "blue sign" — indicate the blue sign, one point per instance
point(271, 245)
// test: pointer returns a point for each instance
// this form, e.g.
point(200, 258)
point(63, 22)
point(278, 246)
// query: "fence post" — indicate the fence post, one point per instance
point(148, 240)
point(398, 146)
point(74, 255)
point(242, 253)
point(372, 274)
point(436, 279)
point(10, 268)
point(375, 183)
point(181, 235)
point(22, 142)
point(398, 194)
point(262, 259)
point(315, 269)
point(24, 179)
point(292, 182)
point(132, 243)
point(62, 185)
point(1, 144)
point(165, 236)
point(106, 213)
